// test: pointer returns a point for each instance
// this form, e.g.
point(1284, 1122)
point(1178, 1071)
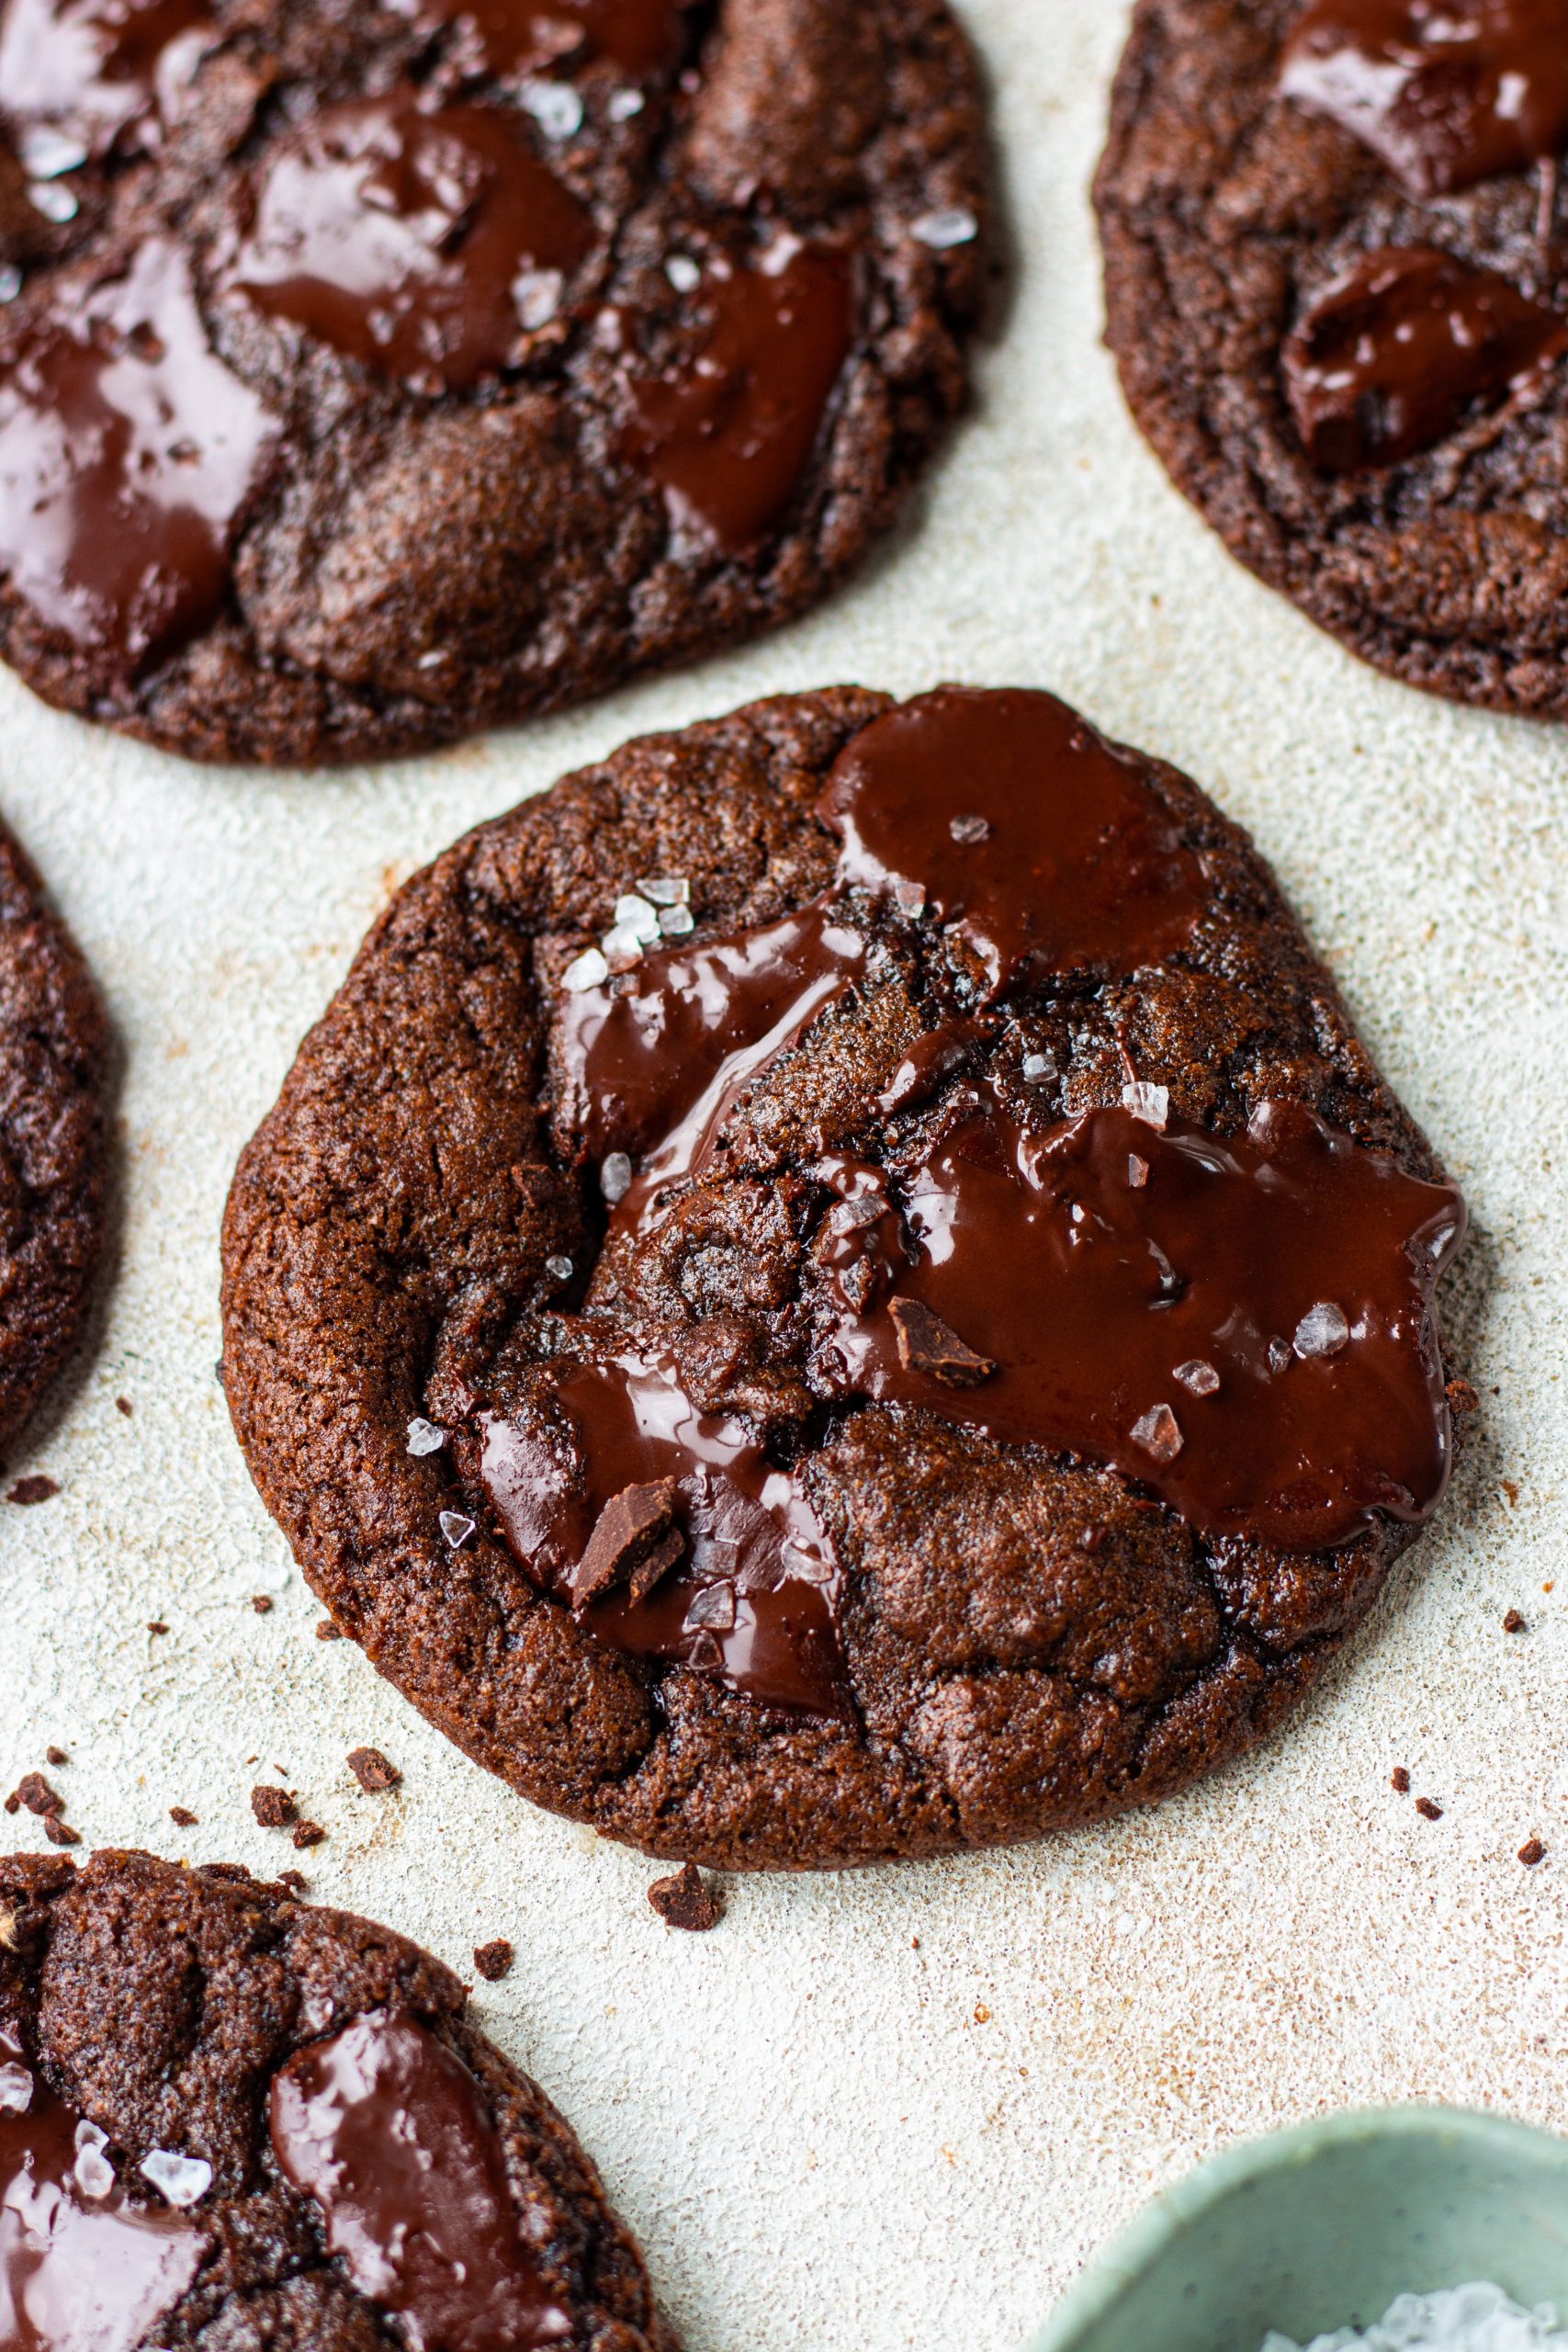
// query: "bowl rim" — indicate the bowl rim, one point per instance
point(1175, 2209)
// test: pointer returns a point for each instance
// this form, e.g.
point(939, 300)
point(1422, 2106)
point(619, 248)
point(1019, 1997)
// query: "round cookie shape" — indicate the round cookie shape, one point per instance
point(228, 2116)
point(374, 376)
point(1336, 288)
point(54, 1058)
point(841, 1286)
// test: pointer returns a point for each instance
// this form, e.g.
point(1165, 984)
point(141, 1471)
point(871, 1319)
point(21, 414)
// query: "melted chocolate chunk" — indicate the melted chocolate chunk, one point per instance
point(81, 2269)
point(427, 246)
point(78, 77)
point(638, 37)
point(754, 1599)
point(1079, 863)
point(386, 2128)
point(1289, 1262)
point(127, 453)
point(1445, 92)
point(727, 434)
point(1406, 347)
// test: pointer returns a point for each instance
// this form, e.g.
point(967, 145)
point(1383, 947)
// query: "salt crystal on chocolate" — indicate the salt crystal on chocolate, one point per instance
point(424, 1437)
point(1137, 1172)
point(586, 971)
point(559, 1269)
point(622, 948)
point(95, 2174)
point(1321, 1331)
point(684, 274)
point(1200, 1379)
point(179, 2180)
point(1150, 1103)
point(674, 922)
point(1159, 1433)
point(639, 916)
point(665, 889)
point(456, 1528)
point(970, 829)
point(555, 106)
point(615, 1177)
point(624, 104)
point(16, 2089)
point(950, 225)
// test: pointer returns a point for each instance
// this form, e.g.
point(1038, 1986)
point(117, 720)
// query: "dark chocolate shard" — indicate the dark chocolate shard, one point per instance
point(685, 1900)
point(632, 1527)
point(926, 1344)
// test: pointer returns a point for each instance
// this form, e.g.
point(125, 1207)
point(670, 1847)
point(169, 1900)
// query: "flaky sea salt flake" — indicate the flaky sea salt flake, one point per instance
point(615, 1177)
point(56, 203)
point(10, 282)
point(424, 1437)
point(674, 922)
point(16, 2089)
point(910, 898)
point(625, 104)
point(1200, 1379)
point(1321, 1331)
point(684, 274)
point(951, 224)
point(537, 293)
point(456, 1528)
point(95, 2174)
point(179, 2180)
point(555, 106)
point(665, 889)
point(1137, 1172)
point(586, 971)
point(1038, 1068)
point(622, 948)
point(559, 1269)
point(970, 829)
point(1150, 1103)
point(1158, 1433)
point(639, 916)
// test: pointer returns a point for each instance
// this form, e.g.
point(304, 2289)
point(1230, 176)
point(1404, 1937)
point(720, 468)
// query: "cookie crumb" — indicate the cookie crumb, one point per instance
point(34, 1792)
point(55, 1755)
point(327, 1632)
point(1399, 1779)
point(308, 1833)
point(273, 1808)
point(1531, 1852)
point(494, 1960)
point(262, 1603)
point(372, 1770)
point(183, 1817)
point(1513, 1623)
point(295, 1881)
point(123, 1405)
point(156, 1626)
point(59, 1833)
point(36, 1489)
point(685, 1901)
point(1428, 1809)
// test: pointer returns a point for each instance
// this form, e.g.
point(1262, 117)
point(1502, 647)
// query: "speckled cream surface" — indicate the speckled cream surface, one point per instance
point(900, 2109)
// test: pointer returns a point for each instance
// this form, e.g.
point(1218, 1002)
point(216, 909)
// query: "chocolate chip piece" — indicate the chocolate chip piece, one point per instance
point(308, 1834)
point(327, 1632)
point(262, 1603)
point(631, 1529)
point(273, 1808)
point(1531, 1852)
point(1399, 1778)
point(1513, 1623)
point(372, 1770)
point(34, 1792)
point(1428, 1809)
point(59, 1833)
point(182, 1816)
point(36, 1489)
point(685, 1901)
point(925, 1345)
point(494, 1960)
point(55, 1755)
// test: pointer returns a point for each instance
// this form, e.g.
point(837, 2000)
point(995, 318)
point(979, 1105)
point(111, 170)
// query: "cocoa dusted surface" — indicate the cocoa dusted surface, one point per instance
point(54, 1057)
point(1226, 213)
point(160, 2003)
point(1029, 1641)
point(371, 564)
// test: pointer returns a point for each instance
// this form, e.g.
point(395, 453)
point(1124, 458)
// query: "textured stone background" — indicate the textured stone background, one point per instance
point(896, 2109)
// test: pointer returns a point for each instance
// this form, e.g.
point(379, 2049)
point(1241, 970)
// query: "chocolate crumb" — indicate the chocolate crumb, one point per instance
point(59, 1833)
point(36, 1489)
point(262, 1603)
point(1399, 1778)
point(295, 1881)
point(1513, 1623)
point(273, 1808)
point(182, 1816)
point(1531, 1852)
point(493, 1961)
point(34, 1792)
point(327, 1632)
point(1428, 1809)
point(685, 1901)
point(925, 1345)
point(156, 1626)
point(123, 1405)
point(631, 1532)
point(55, 1755)
point(372, 1770)
point(1510, 1485)
point(13, 1803)
point(308, 1833)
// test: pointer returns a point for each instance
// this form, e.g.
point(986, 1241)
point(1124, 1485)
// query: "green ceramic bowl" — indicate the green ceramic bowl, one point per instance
point(1321, 2227)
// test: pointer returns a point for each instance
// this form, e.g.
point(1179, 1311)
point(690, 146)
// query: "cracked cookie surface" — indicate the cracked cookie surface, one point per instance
point(1269, 186)
point(209, 2095)
point(479, 1318)
point(370, 376)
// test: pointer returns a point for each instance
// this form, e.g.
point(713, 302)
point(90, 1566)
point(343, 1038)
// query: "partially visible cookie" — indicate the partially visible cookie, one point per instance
point(53, 1139)
point(373, 373)
point(842, 1285)
point(231, 2122)
point(1336, 288)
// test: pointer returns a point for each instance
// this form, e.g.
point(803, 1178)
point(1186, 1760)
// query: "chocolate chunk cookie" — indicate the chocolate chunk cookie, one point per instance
point(53, 1139)
point(374, 374)
point(1336, 283)
point(841, 1285)
point(229, 2121)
